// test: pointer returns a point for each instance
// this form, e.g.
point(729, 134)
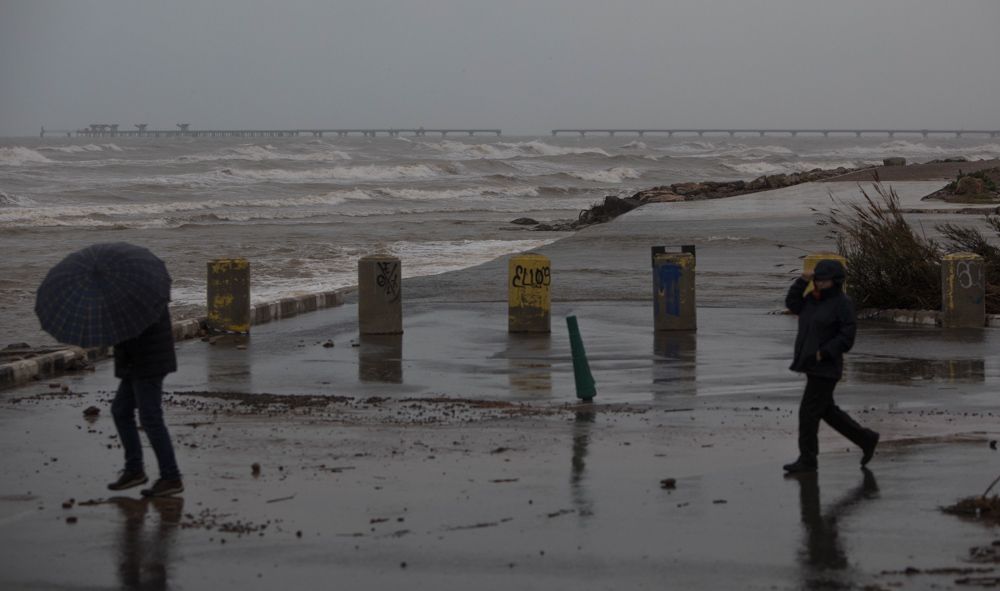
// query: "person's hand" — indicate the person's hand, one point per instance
point(807, 275)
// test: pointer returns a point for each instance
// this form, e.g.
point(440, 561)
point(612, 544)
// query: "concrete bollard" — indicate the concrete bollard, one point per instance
point(229, 296)
point(380, 295)
point(529, 299)
point(963, 291)
point(674, 292)
point(811, 260)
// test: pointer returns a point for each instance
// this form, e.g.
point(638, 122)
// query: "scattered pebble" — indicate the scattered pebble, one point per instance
point(255, 469)
point(71, 519)
point(668, 483)
point(328, 344)
point(91, 411)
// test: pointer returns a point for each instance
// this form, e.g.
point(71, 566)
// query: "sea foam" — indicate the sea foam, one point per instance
point(19, 156)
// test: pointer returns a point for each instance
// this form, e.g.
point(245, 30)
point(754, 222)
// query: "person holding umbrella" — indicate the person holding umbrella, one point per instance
point(827, 327)
point(117, 294)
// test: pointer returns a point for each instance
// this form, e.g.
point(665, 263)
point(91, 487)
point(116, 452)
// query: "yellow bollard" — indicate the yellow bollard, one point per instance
point(811, 260)
point(529, 283)
point(963, 291)
point(229, 296)
point(380, 295)
point(674, 298)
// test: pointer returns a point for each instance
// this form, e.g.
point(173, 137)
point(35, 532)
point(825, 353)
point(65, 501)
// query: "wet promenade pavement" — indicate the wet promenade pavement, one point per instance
point(456, 456)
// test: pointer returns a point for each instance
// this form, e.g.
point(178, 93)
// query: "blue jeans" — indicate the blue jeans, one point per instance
point(145, 395)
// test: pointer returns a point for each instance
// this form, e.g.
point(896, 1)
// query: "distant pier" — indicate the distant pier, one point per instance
point(792, 132)
point(184, 130)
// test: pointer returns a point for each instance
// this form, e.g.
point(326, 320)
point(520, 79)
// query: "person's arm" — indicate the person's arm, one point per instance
point(847, 328)
point(795, 299)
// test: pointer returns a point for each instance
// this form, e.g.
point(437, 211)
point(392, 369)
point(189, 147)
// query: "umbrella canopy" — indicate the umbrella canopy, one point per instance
point(103, 294)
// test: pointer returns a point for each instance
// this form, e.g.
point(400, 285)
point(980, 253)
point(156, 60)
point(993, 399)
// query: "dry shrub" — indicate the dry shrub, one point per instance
point(891, 265)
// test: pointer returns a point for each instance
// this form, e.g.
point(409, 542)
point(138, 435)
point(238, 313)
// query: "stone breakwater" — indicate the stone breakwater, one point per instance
point(613, 206)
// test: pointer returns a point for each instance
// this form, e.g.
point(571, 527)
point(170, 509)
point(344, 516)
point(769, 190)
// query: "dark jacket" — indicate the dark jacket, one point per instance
point(151, 354)
point(827, 325)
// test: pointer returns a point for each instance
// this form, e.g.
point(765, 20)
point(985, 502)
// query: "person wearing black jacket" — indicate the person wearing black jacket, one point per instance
point(827, 327)
point(141, 363)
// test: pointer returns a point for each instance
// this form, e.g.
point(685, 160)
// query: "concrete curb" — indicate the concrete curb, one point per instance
point(48, 365)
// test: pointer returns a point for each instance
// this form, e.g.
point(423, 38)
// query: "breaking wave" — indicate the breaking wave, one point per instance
point(19, 156)
point(72, 149)
point(11, 200)
point(506, 150)
point(764, 168)
point(372, 172)
point(255, 153)
point(913, 150)
point(611, 175)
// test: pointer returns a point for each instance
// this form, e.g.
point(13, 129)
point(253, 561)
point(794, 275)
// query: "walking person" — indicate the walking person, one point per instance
point(827, 327)
point(142, 363)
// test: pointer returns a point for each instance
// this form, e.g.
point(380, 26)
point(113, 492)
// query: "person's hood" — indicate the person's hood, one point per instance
point(830, 269)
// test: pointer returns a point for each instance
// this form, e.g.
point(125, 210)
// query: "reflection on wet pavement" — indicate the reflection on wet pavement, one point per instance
point(144, 557)
point(529, 366)
point(824, 560)
point(896, 370)
point(582, 425)
point(673, 364)
point(380, 358)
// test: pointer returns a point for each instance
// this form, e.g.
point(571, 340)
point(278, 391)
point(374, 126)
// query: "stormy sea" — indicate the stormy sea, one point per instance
point(303, 210)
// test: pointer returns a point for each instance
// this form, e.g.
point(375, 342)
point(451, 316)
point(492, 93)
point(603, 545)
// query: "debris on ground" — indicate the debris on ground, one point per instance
point(91, 411)
point(668, 483)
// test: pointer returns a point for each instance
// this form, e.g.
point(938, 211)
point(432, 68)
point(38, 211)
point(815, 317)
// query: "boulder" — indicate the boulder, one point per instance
point(776, 181)
point(665, 197)
point(524, 222)
point(894, 161)
point(688, 188)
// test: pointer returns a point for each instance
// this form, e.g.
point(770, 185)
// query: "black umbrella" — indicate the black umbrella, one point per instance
point(103, 294)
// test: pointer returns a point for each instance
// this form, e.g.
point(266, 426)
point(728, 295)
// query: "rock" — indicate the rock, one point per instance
point(688, 188)
point(71, 519)
point(894, 161)
point(970, 185)
point(91, 411)
point(328, 344)
point(668, 483)
point(666, 197)
point(255, 469)
point(17, 346)
point(524, 222)
point(776, 181)
point(65, 389)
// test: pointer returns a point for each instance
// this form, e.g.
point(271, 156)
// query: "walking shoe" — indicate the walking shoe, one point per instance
point(164, 488)
point(868, 450)
point(128, 479)
point(799, 466)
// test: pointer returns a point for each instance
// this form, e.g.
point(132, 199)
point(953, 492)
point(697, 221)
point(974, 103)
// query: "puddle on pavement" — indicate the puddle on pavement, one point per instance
point(896, 370)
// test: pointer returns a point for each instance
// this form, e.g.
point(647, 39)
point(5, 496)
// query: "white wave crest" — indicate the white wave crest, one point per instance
point(76, 149)
point(371, 172)
point(11, 200)
point(117, 214)
point(765, 168)
point(506, 150)
point(634, 145)
point(611, 175)
point(256, 153)
point(19, 156)
point(469, 193)
point(914, 150)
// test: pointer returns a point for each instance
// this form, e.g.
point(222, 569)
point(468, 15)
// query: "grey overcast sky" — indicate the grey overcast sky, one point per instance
point(526, 66)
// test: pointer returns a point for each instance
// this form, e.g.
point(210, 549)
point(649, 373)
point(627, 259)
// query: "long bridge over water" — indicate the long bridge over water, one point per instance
point(183, 130)
point(793, 132)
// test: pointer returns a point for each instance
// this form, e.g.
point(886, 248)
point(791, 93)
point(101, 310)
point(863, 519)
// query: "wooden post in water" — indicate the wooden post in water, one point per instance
point(229, 296)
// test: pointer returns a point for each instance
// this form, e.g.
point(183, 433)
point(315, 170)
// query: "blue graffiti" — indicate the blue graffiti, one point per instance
point(668, 285)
